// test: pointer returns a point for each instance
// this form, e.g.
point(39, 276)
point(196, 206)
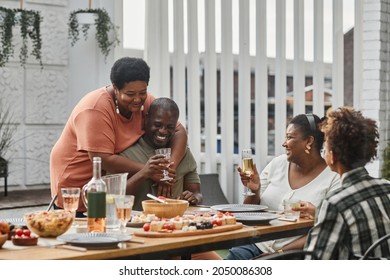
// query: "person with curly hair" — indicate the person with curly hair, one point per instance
point(357, 214)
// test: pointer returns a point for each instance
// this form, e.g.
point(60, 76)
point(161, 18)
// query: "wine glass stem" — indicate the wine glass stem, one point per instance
point(123, 227)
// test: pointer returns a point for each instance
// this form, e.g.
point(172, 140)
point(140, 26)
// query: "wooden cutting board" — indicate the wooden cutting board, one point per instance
point(179, 233)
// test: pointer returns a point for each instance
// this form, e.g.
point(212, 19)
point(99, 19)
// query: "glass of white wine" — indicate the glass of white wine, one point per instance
point(124, 205)
point(167, 153)
point(247, 167)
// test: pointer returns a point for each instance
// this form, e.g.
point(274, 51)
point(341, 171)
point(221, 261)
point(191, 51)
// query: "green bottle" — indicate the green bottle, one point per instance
point(94, 196)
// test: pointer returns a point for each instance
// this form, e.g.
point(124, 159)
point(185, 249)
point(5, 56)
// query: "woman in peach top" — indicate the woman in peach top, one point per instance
point(105, 122)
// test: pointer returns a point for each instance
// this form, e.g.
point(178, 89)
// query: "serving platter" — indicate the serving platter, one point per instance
point(94, 240)
point(180, 233)
point(256, 218)
point(239, 207)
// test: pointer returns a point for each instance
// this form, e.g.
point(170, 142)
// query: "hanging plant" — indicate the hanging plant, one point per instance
point(8, 17)
point(105, 29)
point(29, 22)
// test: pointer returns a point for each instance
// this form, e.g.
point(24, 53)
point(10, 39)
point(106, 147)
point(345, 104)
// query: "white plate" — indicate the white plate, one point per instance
point(239, 207)
point(254, 218)
point(94, 240)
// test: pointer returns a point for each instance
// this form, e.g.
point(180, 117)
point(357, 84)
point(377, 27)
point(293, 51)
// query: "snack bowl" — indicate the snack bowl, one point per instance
point(14, 230)
point(171, 209)
point(25, 241)
point(3, 238)
point(49, 223)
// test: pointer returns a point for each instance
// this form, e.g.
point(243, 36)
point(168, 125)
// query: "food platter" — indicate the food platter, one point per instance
point(179, 233)
point(135, 224)
point(239, 207)
point(94, 240)
point(256, 218)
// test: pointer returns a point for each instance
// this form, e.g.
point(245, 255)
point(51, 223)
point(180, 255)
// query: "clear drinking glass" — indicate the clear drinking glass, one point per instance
point(124, 205)
point(167, 153)
point(247, 167)
point(70, 198)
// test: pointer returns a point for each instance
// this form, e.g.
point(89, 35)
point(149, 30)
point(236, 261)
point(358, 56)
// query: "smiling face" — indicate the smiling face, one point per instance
point(160, 125)
point(295, 144)
point(131, 97)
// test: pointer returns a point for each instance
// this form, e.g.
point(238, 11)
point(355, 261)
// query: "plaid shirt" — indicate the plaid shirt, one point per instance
point(352, 218)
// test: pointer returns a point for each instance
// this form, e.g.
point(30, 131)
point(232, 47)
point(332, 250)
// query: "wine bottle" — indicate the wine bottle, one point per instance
point(96, 190)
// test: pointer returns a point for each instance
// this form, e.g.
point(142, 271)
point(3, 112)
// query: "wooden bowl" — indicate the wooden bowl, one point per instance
point(165, 210)
point(3, 238)
point(30, 241)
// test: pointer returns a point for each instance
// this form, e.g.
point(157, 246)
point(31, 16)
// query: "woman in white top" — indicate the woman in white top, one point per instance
point(299, 175)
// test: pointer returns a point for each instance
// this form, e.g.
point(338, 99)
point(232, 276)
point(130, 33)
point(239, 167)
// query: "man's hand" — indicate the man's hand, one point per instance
point(192, 198)
point(164, 188)
point(154, 168)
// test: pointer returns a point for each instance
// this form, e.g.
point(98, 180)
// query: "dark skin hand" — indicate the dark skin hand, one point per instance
point(153, 168)
point(127, 165)
point(191, 192)
point(117, 164)
point(192, 197)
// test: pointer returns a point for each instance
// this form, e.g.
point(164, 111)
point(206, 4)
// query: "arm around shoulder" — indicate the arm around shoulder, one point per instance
point(178, 145)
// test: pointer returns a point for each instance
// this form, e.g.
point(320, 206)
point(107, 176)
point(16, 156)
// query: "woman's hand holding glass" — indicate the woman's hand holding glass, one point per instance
point(307, 210)
point(247, 168)
point(252, 182)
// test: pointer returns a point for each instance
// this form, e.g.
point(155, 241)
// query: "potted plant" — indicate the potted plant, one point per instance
point(106, 32)
point(29, 22)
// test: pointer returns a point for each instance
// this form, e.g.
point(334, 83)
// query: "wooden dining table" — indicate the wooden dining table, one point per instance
point(154, 248)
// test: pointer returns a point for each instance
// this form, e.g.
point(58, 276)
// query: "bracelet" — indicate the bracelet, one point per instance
point(280, 251)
